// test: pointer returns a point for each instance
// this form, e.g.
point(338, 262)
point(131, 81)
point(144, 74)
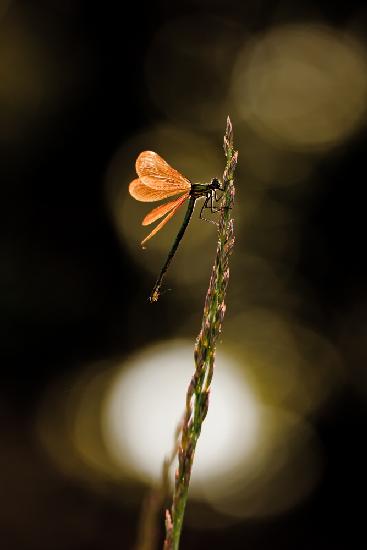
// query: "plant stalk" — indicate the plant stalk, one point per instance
point(197, 397)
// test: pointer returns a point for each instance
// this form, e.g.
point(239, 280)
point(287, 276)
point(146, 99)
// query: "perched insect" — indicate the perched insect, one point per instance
point(158, 180)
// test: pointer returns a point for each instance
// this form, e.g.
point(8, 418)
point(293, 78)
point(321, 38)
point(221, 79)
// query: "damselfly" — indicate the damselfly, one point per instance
point(158, 180)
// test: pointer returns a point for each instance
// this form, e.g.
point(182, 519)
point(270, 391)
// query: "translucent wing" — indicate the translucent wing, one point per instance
point(161, 210)
point(158, 174)
point(179, 202)
point(143, 193)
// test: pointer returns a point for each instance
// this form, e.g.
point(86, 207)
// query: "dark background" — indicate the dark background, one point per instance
point(64, 278)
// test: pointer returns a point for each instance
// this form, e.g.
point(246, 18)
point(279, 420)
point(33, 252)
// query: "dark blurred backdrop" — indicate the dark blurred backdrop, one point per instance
point(80, 89)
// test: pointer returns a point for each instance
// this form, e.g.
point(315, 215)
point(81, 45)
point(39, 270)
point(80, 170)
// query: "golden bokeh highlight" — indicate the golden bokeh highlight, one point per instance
point(114, 422)
point(284, 469)
point(145, 404)
point(302, 86)
point(271, 231)
point(294, 366)
point(268, 164)
point(263, 269)
point(68, 425)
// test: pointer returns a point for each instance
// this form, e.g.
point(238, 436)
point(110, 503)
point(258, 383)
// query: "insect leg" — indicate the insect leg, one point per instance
point(205, 205)
point(208, 199)
point(217, 199)
point(214, 209)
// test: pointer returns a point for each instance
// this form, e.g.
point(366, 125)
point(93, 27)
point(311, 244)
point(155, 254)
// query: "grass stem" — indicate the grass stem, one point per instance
point(197, 397)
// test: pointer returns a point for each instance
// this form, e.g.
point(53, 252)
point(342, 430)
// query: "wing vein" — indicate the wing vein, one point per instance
point(156, 173)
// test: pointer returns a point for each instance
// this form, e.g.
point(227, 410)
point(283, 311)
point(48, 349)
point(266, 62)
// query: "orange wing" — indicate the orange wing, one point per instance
point(143, 193)
point(179, 202)
point(156, 173)
point(161, 210)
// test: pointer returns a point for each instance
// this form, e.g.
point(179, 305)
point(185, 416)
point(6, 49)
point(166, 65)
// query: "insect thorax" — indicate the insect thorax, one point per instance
point(201, 189)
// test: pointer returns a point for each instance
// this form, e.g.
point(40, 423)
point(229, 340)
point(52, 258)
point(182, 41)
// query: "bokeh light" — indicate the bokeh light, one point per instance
point(284, 469)
point(265, 164)
point(302, 86)
point(94, 376)
point(146, 403)
point(294, 366)
point(115, 422)
point(68, 424)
